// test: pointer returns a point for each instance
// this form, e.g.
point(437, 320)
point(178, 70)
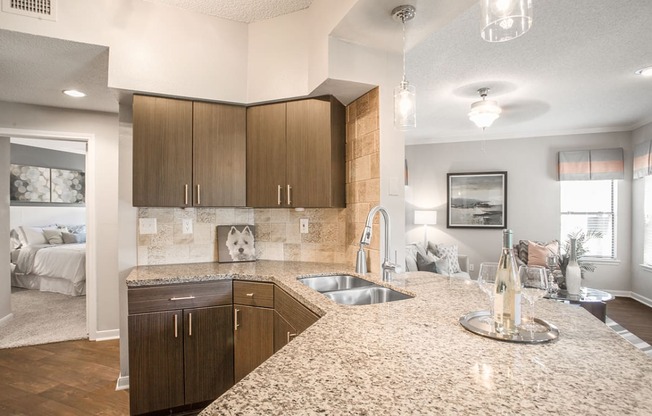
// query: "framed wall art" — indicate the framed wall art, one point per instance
point(235, 243)
point(477, 200)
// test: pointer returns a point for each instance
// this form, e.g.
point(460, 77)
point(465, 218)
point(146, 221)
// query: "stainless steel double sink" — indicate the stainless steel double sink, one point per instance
point(350, 290)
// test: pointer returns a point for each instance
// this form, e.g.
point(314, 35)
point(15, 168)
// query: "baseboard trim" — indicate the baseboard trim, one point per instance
point(7, 318)
point(122, 383)
point(106, 335)
point(642, 299)
point(620, 293)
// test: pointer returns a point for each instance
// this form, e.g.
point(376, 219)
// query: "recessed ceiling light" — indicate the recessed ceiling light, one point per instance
point(646, 72)
point(74, 93)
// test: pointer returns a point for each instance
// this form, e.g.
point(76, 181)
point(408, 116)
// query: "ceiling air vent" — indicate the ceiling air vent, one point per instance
point(40, 9)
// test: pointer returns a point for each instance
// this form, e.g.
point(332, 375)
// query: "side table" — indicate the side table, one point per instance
point(593, 300)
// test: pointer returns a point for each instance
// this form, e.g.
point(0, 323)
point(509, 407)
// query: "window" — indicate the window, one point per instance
point(647, 239)
point(591, 206)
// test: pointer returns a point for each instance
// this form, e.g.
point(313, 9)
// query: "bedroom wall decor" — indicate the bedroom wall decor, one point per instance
point(39, 185)
point(477, 200)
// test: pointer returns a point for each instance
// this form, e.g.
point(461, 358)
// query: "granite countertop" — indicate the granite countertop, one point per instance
point(413, 356)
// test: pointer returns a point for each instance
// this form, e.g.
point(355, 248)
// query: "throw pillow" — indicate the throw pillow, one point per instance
point(521, 250)
point(53, 236)
point(452, 253)
point(426, 264)
point(537, 252)
point(31, 235)
point(74, 229)
point(411, 258)
point(444, 266)
point(70, 238)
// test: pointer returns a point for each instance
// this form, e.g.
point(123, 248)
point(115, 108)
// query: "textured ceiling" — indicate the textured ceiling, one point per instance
point(246, 11)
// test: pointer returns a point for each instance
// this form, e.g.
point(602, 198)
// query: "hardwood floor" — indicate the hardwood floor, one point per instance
point(632, 315)
point(64, 378)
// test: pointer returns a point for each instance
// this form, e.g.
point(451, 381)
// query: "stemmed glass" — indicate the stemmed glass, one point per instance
point(534, 286)
point(552, 260)
point(486, 282)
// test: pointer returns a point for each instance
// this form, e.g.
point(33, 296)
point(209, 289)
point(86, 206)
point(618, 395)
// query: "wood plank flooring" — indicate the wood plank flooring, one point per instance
point(632, 315)
point(64, 378)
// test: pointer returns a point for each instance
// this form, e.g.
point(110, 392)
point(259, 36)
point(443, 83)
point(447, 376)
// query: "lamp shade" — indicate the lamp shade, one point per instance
point(503, 20)
point(425, 217)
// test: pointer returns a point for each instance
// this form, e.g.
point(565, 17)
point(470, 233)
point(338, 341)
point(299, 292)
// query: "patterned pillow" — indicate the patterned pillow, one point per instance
point(452, 253)
point(444, 265)
point(521, 250)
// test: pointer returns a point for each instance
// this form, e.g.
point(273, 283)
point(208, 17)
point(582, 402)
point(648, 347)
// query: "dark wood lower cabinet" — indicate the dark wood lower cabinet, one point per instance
point(254, 338)
point(283, 332)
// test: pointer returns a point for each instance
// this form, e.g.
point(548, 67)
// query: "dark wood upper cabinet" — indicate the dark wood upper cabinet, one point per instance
point(162, 151)
point(296, 154)
point(188, 153)
point(266, 150)
point(219, 155)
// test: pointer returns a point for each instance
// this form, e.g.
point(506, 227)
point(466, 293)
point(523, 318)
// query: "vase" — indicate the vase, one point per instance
point(573, 271)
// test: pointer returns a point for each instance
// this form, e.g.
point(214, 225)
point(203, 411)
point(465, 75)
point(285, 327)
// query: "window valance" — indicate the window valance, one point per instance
point(643, 159)
point(596, 164)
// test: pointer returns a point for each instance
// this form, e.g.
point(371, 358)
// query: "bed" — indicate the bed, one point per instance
point(50, 260)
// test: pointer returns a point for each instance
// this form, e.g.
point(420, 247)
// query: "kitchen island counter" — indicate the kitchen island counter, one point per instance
point(413, 356)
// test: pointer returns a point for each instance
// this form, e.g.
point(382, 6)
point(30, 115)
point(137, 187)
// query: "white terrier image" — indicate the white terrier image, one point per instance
point(241, 244)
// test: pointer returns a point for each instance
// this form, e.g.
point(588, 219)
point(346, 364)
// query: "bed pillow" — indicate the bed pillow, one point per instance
point(74, 229)
point(70, 238)
point(31, 235)
point(14, 240)
point(53, 236)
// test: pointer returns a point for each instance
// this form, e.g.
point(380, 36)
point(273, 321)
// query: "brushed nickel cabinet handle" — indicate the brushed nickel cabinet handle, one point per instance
point(251, 295)
point(290, 336)
point(190, 324)
point(182, 298)
point(289, 195)
point(236, 320)
point(176, 333)
point(278, 195)
point(185, 193)
point(198, 195)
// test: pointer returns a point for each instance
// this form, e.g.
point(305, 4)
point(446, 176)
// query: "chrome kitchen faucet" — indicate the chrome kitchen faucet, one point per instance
point(365, 240)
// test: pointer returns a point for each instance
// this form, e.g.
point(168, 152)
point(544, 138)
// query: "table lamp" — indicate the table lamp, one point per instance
point(425, 218)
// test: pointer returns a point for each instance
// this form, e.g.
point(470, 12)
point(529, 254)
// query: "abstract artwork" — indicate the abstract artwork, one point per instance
point(477, 200)
point(34, 184)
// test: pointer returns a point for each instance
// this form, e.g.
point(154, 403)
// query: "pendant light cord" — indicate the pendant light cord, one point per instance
point(404, 77)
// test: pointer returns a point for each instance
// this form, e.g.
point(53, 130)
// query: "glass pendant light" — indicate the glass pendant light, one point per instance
point(484, 113)
point(503, 20)
point(405, 100)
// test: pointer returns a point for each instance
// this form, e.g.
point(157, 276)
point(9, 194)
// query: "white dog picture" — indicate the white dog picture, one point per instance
point(235, 243)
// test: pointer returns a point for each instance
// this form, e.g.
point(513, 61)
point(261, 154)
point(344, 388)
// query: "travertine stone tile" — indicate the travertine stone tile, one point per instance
point(162, 215)
point(293, 233)
point(244, 216)
point(179, 237)
point(202, 252)
point(143, 255)
point(263, 232)
point(177, 253)
point(206, 215)
point(144, 240)
point(187, 213)
point(367, 124)
point(164, 236)
point(204, 233)
point(374, 168)
point(225, 216)
point(362, 106)
point(262, 215)
point(292, 252)
point(269, 251)
point(279, 215)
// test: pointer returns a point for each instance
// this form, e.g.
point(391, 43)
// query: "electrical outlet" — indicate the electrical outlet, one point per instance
point(147, 225)
point(303, 225)
point(471, 267)
point(187, 226)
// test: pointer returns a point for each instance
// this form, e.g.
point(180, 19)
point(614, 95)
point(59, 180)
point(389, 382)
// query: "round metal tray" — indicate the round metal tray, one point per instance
point(473, 321)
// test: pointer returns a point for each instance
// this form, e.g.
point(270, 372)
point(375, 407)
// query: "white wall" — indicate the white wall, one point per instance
point(532, 195)
point(103, 249)
point(641, 278)
point(5, 279)
point(35, 216)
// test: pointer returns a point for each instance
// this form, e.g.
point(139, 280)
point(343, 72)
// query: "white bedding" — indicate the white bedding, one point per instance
point(55, 262)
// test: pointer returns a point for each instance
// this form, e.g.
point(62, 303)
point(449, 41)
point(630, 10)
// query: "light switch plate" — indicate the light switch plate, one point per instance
point(394, 188)
point(147, 225)
point(303, 225)
point(187, 226)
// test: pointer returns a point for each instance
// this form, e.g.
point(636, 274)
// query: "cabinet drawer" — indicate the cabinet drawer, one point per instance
point(179, 296)
point(253, 294)
point(297, 315)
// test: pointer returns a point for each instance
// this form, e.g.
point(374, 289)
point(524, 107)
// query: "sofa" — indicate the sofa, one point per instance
point(436, 258)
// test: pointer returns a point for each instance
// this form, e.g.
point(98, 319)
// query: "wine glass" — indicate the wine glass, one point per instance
point(486, 282)
point(552, 260)
point(534, 286)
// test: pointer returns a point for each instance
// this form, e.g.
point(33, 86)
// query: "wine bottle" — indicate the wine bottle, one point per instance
point(573, 271)
point(507, 300)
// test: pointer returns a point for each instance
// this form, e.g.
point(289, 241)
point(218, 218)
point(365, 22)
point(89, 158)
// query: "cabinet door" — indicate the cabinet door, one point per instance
point(254, 338)
point(294, 313)
point(266, 156)
point(315, 152)
point(220, 151)
point(283, 332)
point(162, 152)
point(155, 361)
point(208, 352)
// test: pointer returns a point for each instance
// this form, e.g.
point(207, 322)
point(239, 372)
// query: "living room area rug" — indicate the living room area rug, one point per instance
point(42, 318)
point(631, 338)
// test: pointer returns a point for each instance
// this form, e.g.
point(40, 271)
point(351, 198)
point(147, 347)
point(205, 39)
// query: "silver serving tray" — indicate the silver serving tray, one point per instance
point(473, 322)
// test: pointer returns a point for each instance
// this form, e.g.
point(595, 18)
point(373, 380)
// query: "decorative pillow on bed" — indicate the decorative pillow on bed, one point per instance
point(70, 238)
point(53, 236)
point(31, 235)
point(74, 229)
